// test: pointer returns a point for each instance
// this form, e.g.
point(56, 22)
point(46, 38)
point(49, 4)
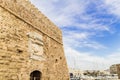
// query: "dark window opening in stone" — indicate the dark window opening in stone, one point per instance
point(56, 60)
point(35, 75)
point(60, 57)
point(19, 51)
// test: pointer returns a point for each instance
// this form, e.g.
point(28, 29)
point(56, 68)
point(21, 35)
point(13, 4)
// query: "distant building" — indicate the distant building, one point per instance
point(115, 69)
point(75, 74)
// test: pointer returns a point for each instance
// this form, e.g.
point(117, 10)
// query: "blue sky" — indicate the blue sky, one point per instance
point(91, 31)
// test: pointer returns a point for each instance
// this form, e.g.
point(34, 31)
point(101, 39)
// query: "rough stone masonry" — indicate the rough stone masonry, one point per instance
point(31, 46)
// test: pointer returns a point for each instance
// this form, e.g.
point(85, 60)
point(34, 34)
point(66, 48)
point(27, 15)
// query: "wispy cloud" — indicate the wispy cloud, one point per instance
point(81, 39)
point(113, 6)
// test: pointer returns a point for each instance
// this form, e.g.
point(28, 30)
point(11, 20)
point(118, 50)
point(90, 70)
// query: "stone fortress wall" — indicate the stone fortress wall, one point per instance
point(29, 42)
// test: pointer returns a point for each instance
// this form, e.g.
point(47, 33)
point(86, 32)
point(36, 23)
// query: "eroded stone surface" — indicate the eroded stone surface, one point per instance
point(28, 42)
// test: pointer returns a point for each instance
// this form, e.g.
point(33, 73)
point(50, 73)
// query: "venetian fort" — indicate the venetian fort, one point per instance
point(31, 46)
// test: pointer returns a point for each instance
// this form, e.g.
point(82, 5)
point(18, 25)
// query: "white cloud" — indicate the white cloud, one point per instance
point(81, 39)
point(77, 35)
point(113, 6)
point(95, 45)
point(93, 26)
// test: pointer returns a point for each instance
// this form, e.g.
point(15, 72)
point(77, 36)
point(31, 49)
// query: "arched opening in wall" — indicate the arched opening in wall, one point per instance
point(71, 75)
point(35, 75)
